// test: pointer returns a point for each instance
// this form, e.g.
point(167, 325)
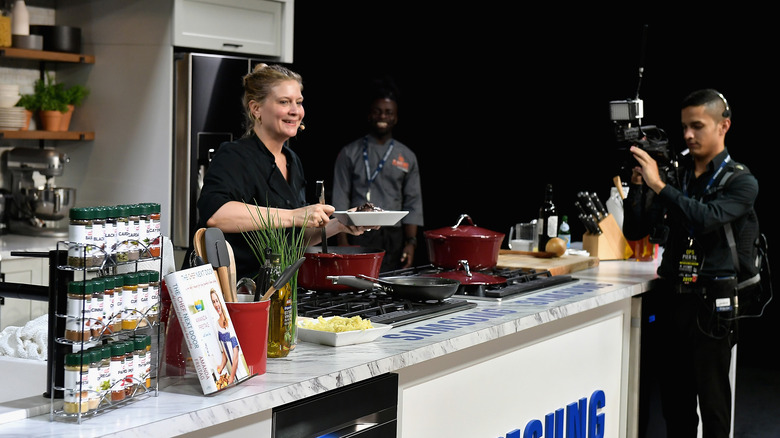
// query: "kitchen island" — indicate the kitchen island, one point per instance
point(495, 368)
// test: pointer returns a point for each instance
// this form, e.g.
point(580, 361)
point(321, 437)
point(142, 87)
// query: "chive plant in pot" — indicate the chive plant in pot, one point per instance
point(51, 103)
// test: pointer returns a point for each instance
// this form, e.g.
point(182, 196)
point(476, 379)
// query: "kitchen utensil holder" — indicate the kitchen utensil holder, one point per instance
point(610, 244)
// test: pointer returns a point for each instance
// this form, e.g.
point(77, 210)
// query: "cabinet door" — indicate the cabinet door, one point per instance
point(16, 311)
point(241, 26)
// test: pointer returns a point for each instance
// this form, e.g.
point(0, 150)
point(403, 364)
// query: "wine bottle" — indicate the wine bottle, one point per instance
point(547, 224)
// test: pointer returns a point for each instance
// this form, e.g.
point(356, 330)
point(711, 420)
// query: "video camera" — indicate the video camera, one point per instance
point(650, 138)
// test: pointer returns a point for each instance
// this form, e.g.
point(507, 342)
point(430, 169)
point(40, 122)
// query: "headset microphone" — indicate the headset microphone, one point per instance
point(727, 111)
point(302, 127)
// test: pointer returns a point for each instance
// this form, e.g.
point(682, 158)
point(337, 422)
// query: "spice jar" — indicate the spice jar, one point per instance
point(130, 313)
point(139, 359)
point(93, 378)
point(153, 315)
point(143, 231)
point(148, 360)
point(97, 307)
point(117, 371)
point(108, 305)
point(117, 282)
point(155, 238)
point(79, 236)
point(122, 234)
point(98, 236)
point(76, 383)
point(110, 232)
point(79, 309)
point(129, 369)
point(143, 297)
point(133, 232)
point(104, 374)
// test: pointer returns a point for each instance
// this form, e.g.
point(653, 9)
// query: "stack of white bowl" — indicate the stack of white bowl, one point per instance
point(11, 117)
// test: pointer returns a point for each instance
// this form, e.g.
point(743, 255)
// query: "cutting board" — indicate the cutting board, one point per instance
point(565, 264)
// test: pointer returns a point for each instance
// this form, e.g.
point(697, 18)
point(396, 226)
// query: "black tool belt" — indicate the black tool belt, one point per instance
point(707, 286)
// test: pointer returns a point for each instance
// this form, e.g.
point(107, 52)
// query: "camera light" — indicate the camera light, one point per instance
point(626, 110)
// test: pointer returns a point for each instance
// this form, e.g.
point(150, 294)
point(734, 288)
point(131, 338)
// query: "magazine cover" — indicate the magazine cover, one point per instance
point(207, 327)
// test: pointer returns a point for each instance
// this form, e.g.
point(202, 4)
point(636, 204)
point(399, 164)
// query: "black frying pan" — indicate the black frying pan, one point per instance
point(410, 288)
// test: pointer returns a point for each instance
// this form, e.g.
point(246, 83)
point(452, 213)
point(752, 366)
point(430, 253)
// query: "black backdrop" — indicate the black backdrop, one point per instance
point(498, 105)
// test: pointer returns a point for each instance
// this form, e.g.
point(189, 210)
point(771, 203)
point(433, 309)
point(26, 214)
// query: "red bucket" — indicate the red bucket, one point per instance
point(251, 323)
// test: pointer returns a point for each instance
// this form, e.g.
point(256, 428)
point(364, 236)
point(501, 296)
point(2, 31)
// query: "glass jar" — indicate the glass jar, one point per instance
point(98, 236)
point(79, 309)
point(143, 297)
point(117, 282)
point(117, 371)
point(104, 374)
point(129, 369)
point(122, 234)
point(108, 305)
point(133, 232)
point(130, 313)
point(79, 236)
point(110, 232)
point(76, 383)
point(153, 315)
point(95, 357)
point(143, 231)
point(139, 359)
point(97, 307)
point(155, 238)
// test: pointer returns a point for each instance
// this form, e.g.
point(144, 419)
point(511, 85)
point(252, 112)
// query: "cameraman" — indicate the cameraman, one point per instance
point(694, 335)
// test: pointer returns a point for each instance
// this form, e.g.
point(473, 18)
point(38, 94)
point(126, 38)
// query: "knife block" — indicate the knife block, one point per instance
point(610, 244)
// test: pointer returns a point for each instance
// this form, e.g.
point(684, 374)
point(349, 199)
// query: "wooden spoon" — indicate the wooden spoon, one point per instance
point(199, 243)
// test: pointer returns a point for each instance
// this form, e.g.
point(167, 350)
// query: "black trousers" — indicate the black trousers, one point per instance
point(391, 239)
point(692, 349)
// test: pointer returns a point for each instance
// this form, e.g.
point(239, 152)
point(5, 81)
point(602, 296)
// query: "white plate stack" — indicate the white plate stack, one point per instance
point(11, 117)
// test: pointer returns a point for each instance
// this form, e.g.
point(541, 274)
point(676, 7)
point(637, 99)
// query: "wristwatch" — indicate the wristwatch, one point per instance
point(411, 240)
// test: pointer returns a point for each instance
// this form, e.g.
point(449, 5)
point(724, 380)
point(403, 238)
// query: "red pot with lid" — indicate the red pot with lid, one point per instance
point(464, 241)
point(339, 260)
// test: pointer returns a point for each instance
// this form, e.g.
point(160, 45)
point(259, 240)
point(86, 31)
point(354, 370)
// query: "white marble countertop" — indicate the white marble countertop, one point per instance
point(312, 369)
point(17, 242)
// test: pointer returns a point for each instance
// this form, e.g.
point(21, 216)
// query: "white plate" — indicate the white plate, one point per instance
point(342, 338)
point(370, 218)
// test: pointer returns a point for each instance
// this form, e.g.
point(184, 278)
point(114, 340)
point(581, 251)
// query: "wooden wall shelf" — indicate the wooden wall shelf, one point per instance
point(42, 55)
point(47, 135)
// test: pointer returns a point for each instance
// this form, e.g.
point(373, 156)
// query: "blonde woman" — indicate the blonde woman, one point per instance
point(228, 342)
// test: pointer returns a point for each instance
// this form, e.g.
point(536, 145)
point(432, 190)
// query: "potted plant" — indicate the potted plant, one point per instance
point(73, 97)
point(30, 104)
point(51, 103)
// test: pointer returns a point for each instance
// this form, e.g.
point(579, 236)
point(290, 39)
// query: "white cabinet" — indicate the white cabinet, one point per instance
point(255, 27)
point(26, 270)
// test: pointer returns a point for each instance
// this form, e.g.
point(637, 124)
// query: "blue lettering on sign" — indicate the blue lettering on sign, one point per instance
point(448, 324)
point(583, 419)
point(542, 298)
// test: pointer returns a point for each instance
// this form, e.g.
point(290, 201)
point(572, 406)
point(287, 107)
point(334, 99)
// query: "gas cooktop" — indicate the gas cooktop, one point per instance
point(376, 306)
point(518, 282)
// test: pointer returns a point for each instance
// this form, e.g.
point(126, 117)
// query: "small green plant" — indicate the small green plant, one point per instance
point(76, 94)
point(50, 95)
point(29, 102)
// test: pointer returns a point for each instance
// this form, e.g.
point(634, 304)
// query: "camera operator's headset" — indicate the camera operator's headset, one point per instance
point(727, 111)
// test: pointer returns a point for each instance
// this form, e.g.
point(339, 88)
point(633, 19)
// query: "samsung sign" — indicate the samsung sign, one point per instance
point(582, 419)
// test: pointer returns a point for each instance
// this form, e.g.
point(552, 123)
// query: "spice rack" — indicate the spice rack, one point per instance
point(76, 375)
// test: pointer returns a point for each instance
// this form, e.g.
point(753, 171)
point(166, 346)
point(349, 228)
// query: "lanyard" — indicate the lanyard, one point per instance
point(371, 177)
point(712, 179)
point(707, 187)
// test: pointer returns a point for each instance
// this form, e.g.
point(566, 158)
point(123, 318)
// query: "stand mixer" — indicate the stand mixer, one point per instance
point(38, 211)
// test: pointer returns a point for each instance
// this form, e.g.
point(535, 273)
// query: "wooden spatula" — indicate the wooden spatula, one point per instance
point(199, 243)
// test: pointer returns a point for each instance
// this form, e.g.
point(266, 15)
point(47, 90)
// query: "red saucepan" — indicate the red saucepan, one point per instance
point(448, 246)
point(410, 288)
point(467, 278)
point(339, 260)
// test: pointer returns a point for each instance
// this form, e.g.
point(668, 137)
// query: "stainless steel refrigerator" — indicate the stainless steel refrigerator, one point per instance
point(207, 112)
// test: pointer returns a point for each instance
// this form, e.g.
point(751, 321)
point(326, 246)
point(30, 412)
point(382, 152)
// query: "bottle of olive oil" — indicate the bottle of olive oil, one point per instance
point(280, 314)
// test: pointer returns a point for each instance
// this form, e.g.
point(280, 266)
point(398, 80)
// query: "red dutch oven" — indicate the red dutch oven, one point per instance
point(339, 260)
point(448, 246)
